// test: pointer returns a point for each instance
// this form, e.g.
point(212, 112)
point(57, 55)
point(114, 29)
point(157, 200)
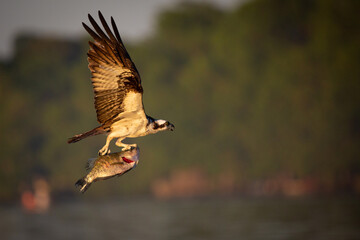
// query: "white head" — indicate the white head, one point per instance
point(157, 125)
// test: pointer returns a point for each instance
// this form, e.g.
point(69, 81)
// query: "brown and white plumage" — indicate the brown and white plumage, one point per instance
point(117, 89)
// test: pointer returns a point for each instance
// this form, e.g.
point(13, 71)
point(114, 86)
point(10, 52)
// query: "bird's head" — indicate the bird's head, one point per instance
point(160, 125)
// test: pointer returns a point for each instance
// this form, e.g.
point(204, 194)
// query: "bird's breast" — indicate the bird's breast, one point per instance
point(130, 127)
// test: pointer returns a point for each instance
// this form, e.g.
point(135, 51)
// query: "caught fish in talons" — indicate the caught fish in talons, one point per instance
point(108, 166)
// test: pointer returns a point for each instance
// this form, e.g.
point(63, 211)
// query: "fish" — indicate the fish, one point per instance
point(108, 166)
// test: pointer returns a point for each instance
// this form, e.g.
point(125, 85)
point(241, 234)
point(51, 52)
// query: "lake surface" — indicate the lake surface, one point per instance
point(221, 218)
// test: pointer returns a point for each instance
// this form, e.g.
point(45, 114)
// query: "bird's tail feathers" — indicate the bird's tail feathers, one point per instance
point(82, 184)
point(78, 137)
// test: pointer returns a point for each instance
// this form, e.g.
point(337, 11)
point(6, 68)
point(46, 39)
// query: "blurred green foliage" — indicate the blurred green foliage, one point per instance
point(266, 88)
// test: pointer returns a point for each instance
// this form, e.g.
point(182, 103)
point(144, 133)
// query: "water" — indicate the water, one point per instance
point(334, 218)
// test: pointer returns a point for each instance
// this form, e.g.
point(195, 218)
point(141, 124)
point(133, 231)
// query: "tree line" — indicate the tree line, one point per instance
point(266, 88)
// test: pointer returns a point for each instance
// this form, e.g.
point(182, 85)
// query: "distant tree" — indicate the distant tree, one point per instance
point(270, 87)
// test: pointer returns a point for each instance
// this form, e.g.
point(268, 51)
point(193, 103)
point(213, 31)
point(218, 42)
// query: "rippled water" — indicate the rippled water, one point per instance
point(335, 218)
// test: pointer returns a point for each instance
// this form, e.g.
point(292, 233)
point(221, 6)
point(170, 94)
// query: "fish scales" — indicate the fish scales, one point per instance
point(108, 166)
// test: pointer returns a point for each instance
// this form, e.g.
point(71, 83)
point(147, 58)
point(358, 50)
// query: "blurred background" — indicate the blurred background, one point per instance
point(264, 95)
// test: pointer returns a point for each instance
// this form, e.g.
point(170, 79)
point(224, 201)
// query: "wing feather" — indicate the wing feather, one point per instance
point(98, 30)
point(127, 60)
point(115, 79)
point(107, 29)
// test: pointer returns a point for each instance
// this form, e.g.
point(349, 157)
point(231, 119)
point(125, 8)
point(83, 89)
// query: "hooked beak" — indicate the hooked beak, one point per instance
point(171, 127)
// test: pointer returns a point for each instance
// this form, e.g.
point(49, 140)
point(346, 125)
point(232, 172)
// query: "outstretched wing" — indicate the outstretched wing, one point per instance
point(115, 79)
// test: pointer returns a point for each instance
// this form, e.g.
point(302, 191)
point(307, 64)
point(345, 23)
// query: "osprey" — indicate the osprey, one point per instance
point(118, 91)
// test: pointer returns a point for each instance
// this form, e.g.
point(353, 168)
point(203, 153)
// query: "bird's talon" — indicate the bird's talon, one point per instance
point(103, 152)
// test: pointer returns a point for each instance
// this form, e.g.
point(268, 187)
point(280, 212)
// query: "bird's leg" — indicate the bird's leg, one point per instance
point(105, 149)
point(124, 146)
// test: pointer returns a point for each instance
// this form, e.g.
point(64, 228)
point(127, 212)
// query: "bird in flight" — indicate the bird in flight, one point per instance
point(117, 89)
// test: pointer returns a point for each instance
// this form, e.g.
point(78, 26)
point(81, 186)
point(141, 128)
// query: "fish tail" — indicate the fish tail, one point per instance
point(83, 184)
point(78, 137)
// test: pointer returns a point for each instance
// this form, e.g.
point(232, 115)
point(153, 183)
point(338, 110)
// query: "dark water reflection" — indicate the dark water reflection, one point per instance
point(325, 218)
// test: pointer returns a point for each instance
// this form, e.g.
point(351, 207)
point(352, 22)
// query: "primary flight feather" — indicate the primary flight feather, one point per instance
point(117, 89)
